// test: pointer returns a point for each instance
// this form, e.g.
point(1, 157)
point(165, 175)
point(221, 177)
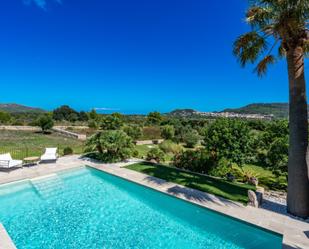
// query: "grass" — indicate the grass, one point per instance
point(219, 187)
point(266, 178)
point(258, 171)
point(22, 144)
point(143, 150)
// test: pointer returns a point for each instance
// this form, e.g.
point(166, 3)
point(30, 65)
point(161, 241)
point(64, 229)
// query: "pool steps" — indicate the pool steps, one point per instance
point(48, 187)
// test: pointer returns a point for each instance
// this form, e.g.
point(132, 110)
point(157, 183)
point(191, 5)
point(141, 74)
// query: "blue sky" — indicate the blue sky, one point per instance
point(132, 56)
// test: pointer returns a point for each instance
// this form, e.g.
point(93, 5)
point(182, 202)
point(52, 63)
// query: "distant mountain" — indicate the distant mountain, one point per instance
point(16, 108)
point(279, 110)
point(182, 112)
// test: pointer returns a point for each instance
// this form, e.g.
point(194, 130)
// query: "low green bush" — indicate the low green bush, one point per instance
point(169, 146)
point(195, 160)
point(225, 167)
point(155, 154)
point(135, 153)
point(67, 151)
point(92, 124)
point(191, 138)
point(168, 131)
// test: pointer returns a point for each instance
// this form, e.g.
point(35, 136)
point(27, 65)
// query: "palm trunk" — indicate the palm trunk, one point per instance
point(298, 181)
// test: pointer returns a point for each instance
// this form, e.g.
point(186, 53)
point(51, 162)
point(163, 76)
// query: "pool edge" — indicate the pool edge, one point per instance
point(6, 241)
point(291, 239)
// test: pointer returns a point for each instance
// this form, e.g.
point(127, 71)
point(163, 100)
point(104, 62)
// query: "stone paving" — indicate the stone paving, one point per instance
point(295, 232)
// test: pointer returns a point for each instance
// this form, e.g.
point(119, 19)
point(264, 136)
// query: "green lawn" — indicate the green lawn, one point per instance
point(266, 178)
point(22, 144)
point(143, 150)
point(219, 187)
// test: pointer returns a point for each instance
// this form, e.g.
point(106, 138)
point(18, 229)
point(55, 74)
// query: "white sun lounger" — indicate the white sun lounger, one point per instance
point(6, 162)
point(49, 155)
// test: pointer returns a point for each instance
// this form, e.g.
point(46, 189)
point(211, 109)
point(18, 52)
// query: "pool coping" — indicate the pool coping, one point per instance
point(293, 231)
point(6, 241)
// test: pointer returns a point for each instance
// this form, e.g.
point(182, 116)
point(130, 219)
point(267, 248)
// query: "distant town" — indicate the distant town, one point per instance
point(235, 115)
point(223, 114)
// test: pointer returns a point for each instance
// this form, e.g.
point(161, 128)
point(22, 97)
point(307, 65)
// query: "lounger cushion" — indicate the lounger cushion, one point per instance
point(48, 157)
point(15, 163)
point(6, 157)
point(50, 151)
point(6, 161)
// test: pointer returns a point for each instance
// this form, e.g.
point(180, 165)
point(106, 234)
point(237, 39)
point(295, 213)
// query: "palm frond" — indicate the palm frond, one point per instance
point(248, 47)
point(262, 67)
point(258, 16)
point(281, 52)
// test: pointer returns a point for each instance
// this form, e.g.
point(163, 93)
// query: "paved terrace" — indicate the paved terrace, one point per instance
point(295, 232)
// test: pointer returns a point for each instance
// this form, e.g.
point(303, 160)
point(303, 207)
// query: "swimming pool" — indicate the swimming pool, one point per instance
point(87, 208)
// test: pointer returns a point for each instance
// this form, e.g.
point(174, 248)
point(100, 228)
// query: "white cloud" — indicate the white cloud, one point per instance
point(106, 109)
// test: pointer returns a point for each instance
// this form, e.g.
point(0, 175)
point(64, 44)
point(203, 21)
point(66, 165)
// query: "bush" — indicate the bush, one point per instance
point(134, 131)
point(155, 141)
point(224, 168)
point(5, 117)
point(135, 153)
point(155, 154)
point(197, 161)
point(170, 147)
point(111, 122)
point(92, 124)
point(191, 138)
point(113, 145)
point(168, 132)
point(67, 151)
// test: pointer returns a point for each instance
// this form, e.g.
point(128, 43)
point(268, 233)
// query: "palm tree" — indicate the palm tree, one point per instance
point(284, 23)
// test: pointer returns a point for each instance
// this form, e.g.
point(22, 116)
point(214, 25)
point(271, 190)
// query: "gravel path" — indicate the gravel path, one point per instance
point(276, 201)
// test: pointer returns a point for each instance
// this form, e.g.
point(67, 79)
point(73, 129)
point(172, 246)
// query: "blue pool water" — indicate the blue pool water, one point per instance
point(87, 208)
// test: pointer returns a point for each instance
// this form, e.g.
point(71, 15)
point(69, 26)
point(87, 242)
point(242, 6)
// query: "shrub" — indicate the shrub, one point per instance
point(67, 151)
point(5, 117)
point(168, 132)
point(113, 145)
point(82, 116)
point(111, 122)
point(224, 168)
point(197, 161)
point(170, 147)
point(135, 153)
point(191, 138)
point(134, 131)
point(155, 141)
point(92, 124)
point(155, 154)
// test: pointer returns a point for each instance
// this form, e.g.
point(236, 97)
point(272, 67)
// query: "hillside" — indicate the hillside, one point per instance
point(16, 108)
point(182, 112)
point(279, 110)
